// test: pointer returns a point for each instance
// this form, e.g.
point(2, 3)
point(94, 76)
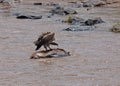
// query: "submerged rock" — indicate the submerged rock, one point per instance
point(94, 3)
point(62, 11)
point(79, 28)
point(38, 3)
point(87, 4)
point(94, 21)
point(50, 53)
point(82, 25)
point(75, 4)
point(116, 28)
point(1, 1)
point(28, 17)
point(73, 20)
point(69, 11)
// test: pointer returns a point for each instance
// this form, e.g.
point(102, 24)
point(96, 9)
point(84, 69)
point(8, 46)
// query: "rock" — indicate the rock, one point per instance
point(54, 4)
point(75, 20)
point(28, 17)
point(79, 28)
point(69, 11)
point(111, 1)
point(38, 3)
point(61, 11)
point(76, 4)
point(50, 53)
point(87, 4)
point(94, 21)
point(82, 22)
point(1, 1)
point(116, 28)
point(51, 4)
point(94, 3)
point(57, 10)
point(89, 22)
point(98, 20)
point(99, 3)
point(68, 29)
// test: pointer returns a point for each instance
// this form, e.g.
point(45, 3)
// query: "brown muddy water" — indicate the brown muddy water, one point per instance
point(95, 55)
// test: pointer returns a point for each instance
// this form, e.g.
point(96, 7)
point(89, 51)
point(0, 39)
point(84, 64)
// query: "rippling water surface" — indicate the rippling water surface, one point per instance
point(94, 59)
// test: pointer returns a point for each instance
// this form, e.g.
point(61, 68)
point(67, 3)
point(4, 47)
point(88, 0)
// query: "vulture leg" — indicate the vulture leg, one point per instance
point(45, 47)
point(49, 47)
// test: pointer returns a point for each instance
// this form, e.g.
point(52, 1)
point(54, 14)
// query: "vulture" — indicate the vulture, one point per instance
point(45, 39)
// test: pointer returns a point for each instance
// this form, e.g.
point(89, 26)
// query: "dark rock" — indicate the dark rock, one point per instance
point(87, 4)
point(69, 11)
point(49, 16)
point(74, 20)
point(54, 4)
point(57, 10)
point(22, 17)
point(99, 3)
point(91, 22)
point(72, 2)
point(1, 1)
point(77, 20)
point(28, 17)
point(38, 3)
point(98, 20)
point(75, 4)
point(51, 4)
point(68, 29)
point(79, 28)
point(94, 3)
point(61, 11)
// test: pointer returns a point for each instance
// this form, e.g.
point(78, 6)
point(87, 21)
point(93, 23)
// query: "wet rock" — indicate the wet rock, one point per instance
point(28, 17)
point(74, 20)
point(1, 1)
point(51, 4)
point(49, 16)
point(76, 4)
point(79, 28)
point(87, 4)
point(99, 3)
point(89, 22)
point(80, 21)
point(54, 4)
point(50, 53)
point(68, 29)
point(61, 11)
point(38, 3)
point(111, 1)
point(116, 28)
point(80, 24)
point(94, 3)
point(57, 10)
point(73, 2)
point(94, 21)
point(69, 11)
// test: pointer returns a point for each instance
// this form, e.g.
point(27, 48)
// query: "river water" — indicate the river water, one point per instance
point(95, 55)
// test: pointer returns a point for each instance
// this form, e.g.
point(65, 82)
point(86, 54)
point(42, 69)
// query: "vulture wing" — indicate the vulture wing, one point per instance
point(44, 39)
